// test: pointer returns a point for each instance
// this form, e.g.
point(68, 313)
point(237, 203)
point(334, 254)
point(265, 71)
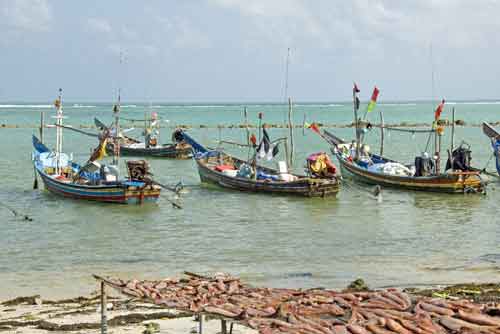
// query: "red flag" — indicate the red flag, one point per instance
point(355, 89)
point(315, 128)
point(439, 110)
point(253, 140)
point(375, 94)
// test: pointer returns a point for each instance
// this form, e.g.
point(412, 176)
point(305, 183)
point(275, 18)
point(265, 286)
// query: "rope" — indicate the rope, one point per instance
point(15, 213)
point(489, 160)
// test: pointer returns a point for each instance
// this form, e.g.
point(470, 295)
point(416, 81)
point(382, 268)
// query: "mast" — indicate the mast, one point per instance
point(116, 139)
point(452, 143)
point(285, 95)
point(290, 126)
point(438, 152)
point(356, 125)
point(245, 113)
point(452, 129)
point(42, 121)
point(59, 123)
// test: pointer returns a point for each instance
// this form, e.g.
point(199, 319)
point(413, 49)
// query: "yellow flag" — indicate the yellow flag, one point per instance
point(102, 150)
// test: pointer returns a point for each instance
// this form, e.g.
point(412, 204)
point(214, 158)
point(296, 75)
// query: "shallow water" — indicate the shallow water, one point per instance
point(409, 238)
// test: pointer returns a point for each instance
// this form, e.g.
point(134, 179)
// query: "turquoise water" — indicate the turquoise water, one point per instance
point(409, 238)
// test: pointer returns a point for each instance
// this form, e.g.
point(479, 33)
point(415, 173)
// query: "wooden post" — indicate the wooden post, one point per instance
point(245, 113)
point(285, 141)
point(290, 125)
point(104, 320)
point(42, 118)
point(223, 326)
point(438, 153)
point(381, 133)
point(452, 135)
point(355, 107)
point(200, 323)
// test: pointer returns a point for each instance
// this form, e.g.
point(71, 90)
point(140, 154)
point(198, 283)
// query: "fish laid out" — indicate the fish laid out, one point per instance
point(316, 311)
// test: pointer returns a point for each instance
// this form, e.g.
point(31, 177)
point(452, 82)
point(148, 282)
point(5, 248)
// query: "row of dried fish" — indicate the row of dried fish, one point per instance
point(316, 311)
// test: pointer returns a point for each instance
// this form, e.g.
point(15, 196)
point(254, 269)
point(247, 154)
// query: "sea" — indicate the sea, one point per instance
point(405, 239)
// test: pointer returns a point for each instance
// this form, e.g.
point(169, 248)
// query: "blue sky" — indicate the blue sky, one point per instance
point(232, 50)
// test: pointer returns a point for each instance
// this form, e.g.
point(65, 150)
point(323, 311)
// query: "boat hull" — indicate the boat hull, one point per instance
point(115, 193)
point(166, 151)
point(454, 183)
point(306, 187)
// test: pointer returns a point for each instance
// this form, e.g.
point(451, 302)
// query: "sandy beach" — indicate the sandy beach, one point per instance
point(82, 315)
point(34, 314)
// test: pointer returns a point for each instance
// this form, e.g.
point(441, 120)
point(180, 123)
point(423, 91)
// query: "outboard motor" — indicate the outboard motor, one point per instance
point(424, 165)
point(177, 136)
point(460, 159)
point(138, 170)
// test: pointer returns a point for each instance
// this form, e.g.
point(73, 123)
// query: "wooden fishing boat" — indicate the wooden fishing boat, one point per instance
point(93, 181)
point(455, 182)
point(357, 161)
point(494, 135)
point(92, 186)
point(133, 147)
point(222, 169)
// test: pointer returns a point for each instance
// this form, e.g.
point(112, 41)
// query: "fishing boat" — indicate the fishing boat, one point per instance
point(494, 135)
point(424, 175)
point(217, 167)
point(151, 146)
point(93, 181)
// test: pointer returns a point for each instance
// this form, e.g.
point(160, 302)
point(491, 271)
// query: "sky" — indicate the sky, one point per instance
point(236, 50)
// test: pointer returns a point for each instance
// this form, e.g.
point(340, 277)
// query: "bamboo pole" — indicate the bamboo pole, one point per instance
point(290, 125)
point(245, 113)
point(42, 119)
point(285, 142)
point(356, 124)
point(438, 153)
point(452, 129)
point(200, 323)
point(223, 326)
point(381, 133)
point(104, 320)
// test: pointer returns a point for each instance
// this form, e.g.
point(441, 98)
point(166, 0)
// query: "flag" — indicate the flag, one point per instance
point(355, 89)
point(266, 150)
point(312, 126)
point(315, 128)
point(100, 151)
point(264, 144)
point(373, 100)
point(260, 115)
point(276, 150)
point(439, 110)
point(253, 140)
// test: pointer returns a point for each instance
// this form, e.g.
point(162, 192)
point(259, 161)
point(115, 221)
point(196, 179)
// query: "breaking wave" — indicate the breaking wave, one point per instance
point(26, 106)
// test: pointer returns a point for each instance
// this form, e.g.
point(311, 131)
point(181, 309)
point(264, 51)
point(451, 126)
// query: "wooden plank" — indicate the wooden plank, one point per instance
point(104, 320)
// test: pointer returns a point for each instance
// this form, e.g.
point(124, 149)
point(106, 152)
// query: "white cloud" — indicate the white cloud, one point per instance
point(99, 25)
point(328, 23)
point(25, 15)
point(185, 35)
